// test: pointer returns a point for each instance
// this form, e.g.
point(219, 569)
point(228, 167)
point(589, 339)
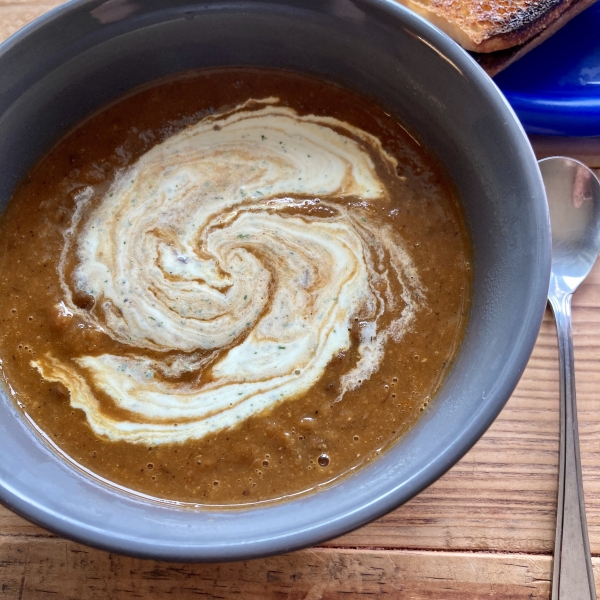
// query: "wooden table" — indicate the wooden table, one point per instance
point(484, 530)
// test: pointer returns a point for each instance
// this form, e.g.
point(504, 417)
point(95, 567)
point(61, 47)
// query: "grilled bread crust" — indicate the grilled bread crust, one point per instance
point(496, 25)
point(494, 62)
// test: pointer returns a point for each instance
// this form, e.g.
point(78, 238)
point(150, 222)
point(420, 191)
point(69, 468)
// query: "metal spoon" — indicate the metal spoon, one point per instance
point(573, 193)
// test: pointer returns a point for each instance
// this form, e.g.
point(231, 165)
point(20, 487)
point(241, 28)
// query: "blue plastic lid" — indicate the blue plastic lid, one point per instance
point(555, 88)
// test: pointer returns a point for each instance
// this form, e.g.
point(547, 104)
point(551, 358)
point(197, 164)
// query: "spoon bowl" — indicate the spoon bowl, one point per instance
point(573, 194)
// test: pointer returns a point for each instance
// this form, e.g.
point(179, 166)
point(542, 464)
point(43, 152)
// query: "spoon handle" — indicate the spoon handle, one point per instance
point(572, 578)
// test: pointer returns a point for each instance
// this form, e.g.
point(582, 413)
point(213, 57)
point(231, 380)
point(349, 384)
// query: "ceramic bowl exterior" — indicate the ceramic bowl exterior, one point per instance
point(77, 58)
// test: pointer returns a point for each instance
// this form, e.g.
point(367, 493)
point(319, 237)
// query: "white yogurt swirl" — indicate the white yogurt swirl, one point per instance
point(228, 251)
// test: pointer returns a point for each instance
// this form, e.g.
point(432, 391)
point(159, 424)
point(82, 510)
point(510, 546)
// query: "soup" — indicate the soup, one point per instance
point(231, 287)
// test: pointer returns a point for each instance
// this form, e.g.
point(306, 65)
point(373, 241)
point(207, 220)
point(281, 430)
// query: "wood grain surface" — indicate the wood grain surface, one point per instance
point(484, 530)
point(54, 568)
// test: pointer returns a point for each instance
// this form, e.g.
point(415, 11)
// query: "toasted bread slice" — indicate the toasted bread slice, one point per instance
point(494, 62)
point(496, 25)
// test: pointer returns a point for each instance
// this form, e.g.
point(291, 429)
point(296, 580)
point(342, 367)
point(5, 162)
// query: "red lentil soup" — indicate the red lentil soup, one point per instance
point(231, 287)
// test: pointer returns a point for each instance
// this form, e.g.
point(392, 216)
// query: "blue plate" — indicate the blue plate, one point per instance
point(555, 89)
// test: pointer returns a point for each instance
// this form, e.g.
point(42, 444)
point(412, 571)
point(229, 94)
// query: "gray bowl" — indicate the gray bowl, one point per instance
point(84, 54)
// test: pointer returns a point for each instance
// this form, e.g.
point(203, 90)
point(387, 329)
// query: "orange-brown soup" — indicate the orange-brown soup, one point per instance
point(124, 303)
